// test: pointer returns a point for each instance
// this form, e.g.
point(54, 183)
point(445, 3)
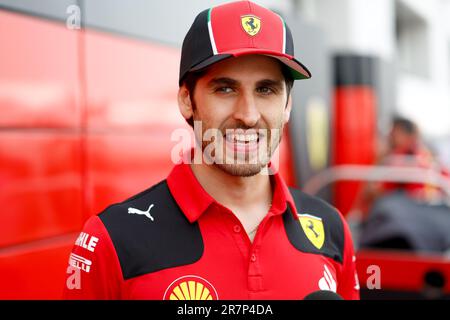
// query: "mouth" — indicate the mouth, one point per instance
point(243, 142)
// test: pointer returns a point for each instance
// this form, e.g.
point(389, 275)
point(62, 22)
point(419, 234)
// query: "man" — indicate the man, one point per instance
point(404, 137)
point(404, 148)
point(405, 215)
point(220, 228)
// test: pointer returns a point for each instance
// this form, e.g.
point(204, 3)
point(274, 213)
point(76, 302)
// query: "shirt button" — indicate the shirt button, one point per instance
point(237, 229)
point(253, 258)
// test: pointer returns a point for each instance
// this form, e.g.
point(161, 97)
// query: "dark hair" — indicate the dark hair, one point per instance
point(404, 124)
point(190, 81)
point(191, 78)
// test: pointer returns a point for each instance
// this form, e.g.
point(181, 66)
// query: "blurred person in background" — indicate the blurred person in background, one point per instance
point(407, 148)
point(404, 215)
point(404, 147)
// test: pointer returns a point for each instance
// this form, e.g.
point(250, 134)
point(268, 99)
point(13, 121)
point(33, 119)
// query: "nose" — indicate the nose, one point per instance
point(246, 110)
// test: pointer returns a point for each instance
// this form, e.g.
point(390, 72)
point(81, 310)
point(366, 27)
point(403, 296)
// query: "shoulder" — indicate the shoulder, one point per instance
point(319, 228)
point(150, 232)
point(306, 203)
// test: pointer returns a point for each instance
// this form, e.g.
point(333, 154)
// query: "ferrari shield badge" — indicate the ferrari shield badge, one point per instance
point(313, 228)
point(251, 24)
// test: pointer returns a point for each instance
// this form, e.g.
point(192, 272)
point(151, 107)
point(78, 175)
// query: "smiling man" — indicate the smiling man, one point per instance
point(227, 226)
point(245, 102)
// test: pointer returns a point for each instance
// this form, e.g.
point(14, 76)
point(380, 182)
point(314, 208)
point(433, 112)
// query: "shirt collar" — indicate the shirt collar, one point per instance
point(281, 195)
point(194, 200)
point(188, 192)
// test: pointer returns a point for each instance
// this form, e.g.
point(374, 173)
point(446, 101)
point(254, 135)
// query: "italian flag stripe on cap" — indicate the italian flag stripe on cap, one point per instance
point(211, 34)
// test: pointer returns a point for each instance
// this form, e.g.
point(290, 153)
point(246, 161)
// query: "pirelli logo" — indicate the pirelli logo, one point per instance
point(79, 262)
point(86, 241)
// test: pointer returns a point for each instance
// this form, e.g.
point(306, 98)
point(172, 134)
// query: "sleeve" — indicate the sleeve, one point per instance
point(93, 270)
point(348, 285)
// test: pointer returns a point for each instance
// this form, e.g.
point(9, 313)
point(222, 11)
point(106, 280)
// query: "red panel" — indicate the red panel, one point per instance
point(35, 271)
point(401, 271)
point(38, 73)
point(40, 185)
point(132, 112)
point(131, 85)
point(354, 129)
point(123, 165)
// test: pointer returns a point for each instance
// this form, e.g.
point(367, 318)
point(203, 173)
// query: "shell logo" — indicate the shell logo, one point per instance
point(190, 288)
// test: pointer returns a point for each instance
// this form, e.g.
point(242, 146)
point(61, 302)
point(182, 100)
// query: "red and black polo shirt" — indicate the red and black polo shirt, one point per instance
point(174, 241)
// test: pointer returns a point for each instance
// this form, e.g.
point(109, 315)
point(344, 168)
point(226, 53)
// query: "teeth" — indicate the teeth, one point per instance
point(242, 137)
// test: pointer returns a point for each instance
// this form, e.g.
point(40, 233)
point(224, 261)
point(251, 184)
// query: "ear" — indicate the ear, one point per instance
point(287, 110)
point(184, 102)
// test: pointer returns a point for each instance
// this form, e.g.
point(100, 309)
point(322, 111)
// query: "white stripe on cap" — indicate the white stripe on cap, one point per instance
point(284, 34)
point(211, 38)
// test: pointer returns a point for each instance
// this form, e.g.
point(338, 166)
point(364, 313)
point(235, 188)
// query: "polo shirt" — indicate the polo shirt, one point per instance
point(175, 242)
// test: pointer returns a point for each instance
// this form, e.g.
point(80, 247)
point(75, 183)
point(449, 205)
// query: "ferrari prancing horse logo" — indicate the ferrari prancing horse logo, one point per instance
point(251, 24)
point(313, 228)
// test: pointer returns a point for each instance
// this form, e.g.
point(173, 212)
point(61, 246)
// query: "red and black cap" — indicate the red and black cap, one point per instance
point(235, 29)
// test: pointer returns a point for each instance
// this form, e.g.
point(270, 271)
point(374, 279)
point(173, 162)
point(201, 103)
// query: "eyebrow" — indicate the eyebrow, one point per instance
point(223, 81)
point(270, 83)
point(234, 83)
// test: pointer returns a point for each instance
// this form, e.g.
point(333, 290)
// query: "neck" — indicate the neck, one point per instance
point(233, 191)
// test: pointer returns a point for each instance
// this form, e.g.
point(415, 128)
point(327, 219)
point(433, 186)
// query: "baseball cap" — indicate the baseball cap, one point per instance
point(235, 29)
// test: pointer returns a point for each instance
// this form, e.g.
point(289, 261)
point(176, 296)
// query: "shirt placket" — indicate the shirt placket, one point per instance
point(255, 275)
point(250, 251)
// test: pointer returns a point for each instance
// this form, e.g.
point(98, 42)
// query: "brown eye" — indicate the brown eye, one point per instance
point(224, 90)
point(264, 90)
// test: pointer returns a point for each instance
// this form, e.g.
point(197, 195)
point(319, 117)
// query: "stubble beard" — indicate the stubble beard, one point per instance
point(239, 164)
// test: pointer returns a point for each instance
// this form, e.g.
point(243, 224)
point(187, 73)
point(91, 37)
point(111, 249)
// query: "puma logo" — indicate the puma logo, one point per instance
point(145, 213)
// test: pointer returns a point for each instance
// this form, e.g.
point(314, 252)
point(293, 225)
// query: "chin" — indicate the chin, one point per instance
point(241, 170)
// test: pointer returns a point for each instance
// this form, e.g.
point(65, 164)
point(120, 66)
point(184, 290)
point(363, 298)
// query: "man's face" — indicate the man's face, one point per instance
point(245, 99)
point(401, 140)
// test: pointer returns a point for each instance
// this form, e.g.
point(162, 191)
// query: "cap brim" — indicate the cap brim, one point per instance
point(298, 70)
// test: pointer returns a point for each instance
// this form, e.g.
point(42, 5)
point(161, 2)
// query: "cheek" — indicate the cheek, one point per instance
point(274, 117)
point(212, 111)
